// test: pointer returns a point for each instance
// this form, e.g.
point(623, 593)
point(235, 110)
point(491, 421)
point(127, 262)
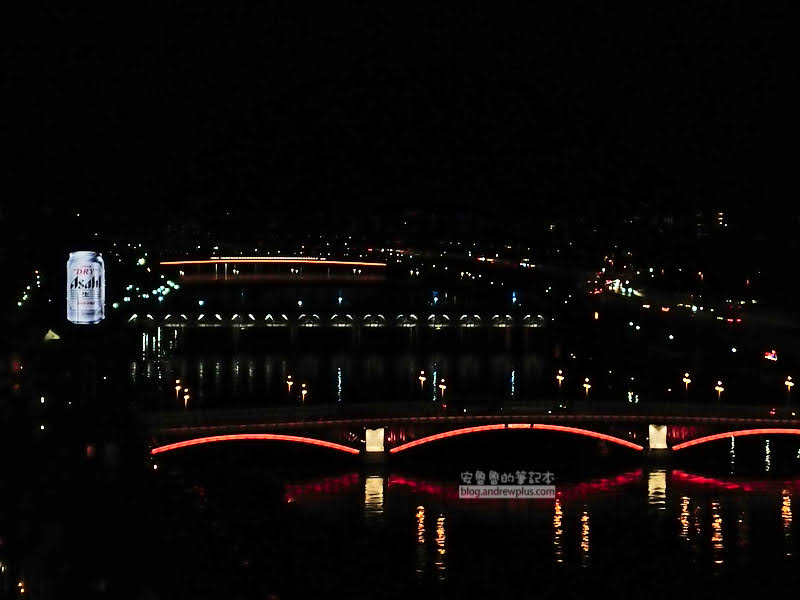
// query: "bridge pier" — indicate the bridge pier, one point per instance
point(657, 441)
point(375, 452)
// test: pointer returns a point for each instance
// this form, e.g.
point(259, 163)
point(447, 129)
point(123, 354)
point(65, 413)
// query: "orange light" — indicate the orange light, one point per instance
point(253, 437)
point(596, 315)
point(730, 434)
point(559, 428)
point(665, 309)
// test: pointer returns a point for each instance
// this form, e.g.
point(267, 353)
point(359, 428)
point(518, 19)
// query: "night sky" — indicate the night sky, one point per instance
point(181, 110)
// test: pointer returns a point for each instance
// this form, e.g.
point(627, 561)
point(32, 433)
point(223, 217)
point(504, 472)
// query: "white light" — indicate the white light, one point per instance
point(733, 349)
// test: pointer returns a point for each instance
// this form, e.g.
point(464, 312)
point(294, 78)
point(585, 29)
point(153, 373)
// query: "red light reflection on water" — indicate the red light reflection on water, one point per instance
point(791, 486)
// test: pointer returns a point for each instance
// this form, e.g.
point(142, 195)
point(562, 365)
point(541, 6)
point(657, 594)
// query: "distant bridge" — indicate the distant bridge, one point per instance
point(246, 320)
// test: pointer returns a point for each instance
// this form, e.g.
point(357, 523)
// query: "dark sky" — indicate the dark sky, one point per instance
point(174, 108)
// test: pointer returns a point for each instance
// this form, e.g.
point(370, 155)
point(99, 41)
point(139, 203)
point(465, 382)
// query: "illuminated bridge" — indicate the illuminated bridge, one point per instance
point(388, 430)
point(335, 320)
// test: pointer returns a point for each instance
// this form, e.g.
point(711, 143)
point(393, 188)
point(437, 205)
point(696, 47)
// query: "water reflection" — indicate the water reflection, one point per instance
point(786, 517)
point(558, 532)
point(232, 380)
point(421, 556)
point(716, 533)
point(441, 536)
point(657, 489)
point(733, 455)
point(584, 546)
point(742, 530)
point(684, 518)
point(373, 499)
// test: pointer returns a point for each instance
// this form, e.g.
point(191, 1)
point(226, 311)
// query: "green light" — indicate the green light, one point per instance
point(115, 305)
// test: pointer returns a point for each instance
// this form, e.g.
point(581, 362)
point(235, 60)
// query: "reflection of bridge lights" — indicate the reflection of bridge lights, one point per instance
point(786, 517)
point(420, 524)
point(441, 538)
point(586, 386)
point(684, 518)
point(585, 539)
point(558, 532)
point(716, 533)
point(559, 378)
point(373, 497)
point(657, 489)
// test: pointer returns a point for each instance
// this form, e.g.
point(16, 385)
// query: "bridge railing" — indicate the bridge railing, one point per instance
point(313, 413)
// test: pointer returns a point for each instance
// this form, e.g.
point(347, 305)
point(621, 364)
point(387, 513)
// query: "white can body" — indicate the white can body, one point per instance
point(86, 288)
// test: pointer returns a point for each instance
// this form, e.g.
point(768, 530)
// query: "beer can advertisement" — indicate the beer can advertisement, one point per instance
point(86, 288)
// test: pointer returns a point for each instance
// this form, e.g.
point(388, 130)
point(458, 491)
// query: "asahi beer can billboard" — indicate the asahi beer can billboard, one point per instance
point(86, 288)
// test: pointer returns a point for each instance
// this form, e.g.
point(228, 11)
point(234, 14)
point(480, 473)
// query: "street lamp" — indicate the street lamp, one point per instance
point(289, 383)
point(422, 379)
point(303, 391)
point(586, 386)
point(789, 385)
point(686, 381)
point(719, 390)
point(177, 388)
point(186, 401)
point(442, 387)
point(559, 378)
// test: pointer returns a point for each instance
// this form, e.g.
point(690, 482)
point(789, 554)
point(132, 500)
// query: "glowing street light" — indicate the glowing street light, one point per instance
point(186, 400)
point(422, 379)
point(442, 387)
point(289, 383)
point(303, 391)
point(177, 388)
point(586, 386)
point(789, 385)
point(686, 381)
point(559, 378)
point(719, 390)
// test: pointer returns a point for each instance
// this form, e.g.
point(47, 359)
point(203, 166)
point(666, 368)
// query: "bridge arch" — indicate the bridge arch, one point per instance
point(732, 434)
point(240, 437)
point(515, 426)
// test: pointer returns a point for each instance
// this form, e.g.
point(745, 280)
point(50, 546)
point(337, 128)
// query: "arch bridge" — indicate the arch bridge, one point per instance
point(385, 431)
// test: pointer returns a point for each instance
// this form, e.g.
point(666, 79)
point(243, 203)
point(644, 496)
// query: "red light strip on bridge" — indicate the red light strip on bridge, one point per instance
point(466, 430)
point(253, 436)
point(730, 434)
point(588, 433)
point(446, 434)
point(305, 261)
